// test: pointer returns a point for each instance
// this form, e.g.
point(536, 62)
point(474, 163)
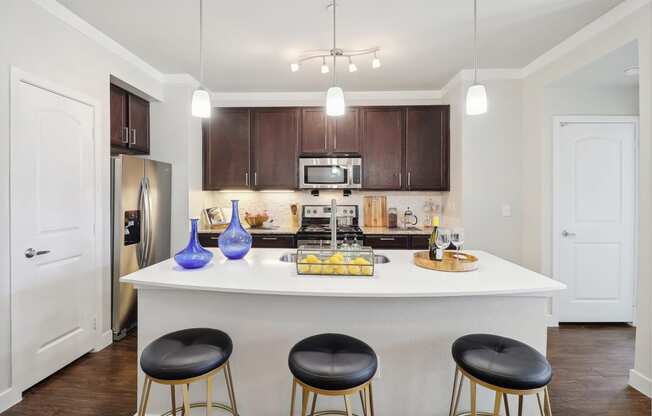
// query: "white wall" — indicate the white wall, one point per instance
point(537, 157)
point(174, 134)
point(35, 41)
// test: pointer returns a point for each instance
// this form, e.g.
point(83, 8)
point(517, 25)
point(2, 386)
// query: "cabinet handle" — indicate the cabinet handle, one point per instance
point(270, 238)
point(255, 178)
point(326, 139)
point(214, 238)
point(247, 178)
point(335, 140)
point(400, 179)
point(125, 135)
point(133, 136)
point(409, 179)
point(387, 239)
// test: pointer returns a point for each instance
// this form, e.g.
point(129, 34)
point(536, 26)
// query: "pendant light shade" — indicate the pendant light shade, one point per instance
point(476, 96)
point(335, 101)
point(201, 103)
point(476, 100)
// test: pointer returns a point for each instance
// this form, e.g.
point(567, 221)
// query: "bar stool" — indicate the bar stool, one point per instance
point(503, 365)
point(184, 357)
point(333, 365)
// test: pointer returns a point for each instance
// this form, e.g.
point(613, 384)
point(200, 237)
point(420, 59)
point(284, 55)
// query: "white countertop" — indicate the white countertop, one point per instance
point(261, 272)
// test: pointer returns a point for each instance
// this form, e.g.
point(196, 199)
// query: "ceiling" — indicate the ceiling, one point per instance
point(249, 44)
point(607, 71)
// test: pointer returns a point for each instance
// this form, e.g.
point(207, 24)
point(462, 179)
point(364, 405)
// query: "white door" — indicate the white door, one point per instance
point(52, 215)
point(596, 216)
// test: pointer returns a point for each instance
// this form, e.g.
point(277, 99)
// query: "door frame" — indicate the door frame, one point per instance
point(17, 76)
point(558, 122)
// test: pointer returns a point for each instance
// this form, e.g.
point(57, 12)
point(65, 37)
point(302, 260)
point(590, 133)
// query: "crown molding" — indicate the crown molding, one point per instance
point(71, 19)
point(316, 98)
point(602, 23)
point(182, 79)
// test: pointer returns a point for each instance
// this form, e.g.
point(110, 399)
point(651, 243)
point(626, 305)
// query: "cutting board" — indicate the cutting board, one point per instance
point(375, 211)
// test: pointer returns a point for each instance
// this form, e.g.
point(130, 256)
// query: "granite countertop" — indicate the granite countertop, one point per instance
point(396, 231)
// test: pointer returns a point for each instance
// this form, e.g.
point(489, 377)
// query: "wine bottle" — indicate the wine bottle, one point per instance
point(432, 241)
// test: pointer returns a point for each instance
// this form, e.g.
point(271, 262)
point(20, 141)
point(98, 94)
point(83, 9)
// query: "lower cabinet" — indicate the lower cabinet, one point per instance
point(397, 242)
point(259, 240)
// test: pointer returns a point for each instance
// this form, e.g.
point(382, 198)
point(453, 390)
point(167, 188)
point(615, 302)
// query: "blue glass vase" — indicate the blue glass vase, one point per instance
point(235, 241)
point(194, 255)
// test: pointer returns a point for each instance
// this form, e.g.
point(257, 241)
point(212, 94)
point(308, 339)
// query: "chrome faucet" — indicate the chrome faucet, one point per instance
point(333, 224)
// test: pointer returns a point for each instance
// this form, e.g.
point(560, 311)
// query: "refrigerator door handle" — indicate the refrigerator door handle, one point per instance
point(143, 225)
point(147, 220)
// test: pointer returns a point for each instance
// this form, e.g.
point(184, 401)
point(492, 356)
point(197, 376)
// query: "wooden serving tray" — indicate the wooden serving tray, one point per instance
point(452, 262)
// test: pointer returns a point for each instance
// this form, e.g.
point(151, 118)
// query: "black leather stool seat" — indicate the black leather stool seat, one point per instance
point(332, 362)
point(502, 362)
point(185, 354)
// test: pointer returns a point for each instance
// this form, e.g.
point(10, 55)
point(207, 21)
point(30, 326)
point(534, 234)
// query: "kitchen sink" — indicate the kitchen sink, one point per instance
point(292, 258)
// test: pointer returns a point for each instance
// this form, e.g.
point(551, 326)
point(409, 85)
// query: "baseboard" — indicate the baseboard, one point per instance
point(551, 321)
point(103, 341)
point(640, 382)
point(8, 398)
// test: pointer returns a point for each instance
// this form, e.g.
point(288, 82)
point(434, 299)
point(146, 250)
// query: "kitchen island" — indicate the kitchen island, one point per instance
point(409, 315)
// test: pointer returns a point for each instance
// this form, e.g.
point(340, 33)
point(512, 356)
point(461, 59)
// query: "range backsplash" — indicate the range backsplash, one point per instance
point(278, 203)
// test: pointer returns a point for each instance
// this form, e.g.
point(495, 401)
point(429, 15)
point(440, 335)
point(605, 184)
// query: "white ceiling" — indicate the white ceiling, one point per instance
point(607, 71)
point(250, 43)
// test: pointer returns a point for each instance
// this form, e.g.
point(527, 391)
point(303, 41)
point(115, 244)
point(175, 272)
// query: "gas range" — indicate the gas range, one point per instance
point(315, 225)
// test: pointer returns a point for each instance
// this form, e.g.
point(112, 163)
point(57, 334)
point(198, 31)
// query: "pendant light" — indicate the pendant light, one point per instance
point(335, 96)
point(476, 96)
point(201, 100)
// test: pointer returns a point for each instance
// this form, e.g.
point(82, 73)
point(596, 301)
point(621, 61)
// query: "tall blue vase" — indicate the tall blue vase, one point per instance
point(194, 255)
point(235, 241)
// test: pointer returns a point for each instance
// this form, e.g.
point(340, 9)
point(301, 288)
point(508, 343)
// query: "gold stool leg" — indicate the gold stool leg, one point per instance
point(304, 401)
point(209, 395)
point(147, 385)
point(371, 400)
point(230, 388)
point(455, 380)
point(506, 404)
point(474, 410)
point(173, 396)
point(367, 398)
point(547, 405)
point(363, 400)
point(347, 405)
point(497, 403)
point(186, 399)
point(314, 404)
point(539, 403)
point(294, 394)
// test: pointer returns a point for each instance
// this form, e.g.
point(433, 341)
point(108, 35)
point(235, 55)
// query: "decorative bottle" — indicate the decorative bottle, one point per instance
point(194, 255)
point(235, 241)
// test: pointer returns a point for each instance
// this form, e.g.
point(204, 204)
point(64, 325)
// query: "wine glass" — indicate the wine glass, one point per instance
point(457, 238)
point(442, 239)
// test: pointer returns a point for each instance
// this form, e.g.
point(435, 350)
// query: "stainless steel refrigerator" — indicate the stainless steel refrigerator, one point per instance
point(140, 224)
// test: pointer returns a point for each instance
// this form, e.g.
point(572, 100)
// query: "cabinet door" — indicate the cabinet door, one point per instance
point(226, 149)
point(382, 147)
point(345, 132)
point(138, 124)
point(119, 125)
point(427, 148)
point(314, 137)
point(209, 239)
point(275, 148)
point(419, 242)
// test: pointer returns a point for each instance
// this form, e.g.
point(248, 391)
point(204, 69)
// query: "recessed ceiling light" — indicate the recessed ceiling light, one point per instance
point(632, 71)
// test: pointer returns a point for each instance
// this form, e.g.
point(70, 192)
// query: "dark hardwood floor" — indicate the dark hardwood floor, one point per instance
point(590, 362)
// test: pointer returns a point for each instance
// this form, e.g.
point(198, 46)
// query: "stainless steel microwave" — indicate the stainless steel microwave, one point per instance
point(330, 173)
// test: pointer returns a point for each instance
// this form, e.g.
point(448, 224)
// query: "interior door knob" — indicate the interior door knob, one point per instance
point(567, 234)
point(30, 252)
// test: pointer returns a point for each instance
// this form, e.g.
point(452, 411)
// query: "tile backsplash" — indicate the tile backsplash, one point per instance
point(278, 203)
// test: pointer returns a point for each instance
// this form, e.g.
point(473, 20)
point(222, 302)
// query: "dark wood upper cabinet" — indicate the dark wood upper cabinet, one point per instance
point(129, 122)
point(427, 148)
point(314, 133)
point(226, 149)
point(139, 124)
point(275, 147)
point(119, 118)
point(382, 147)
point(345, 132)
